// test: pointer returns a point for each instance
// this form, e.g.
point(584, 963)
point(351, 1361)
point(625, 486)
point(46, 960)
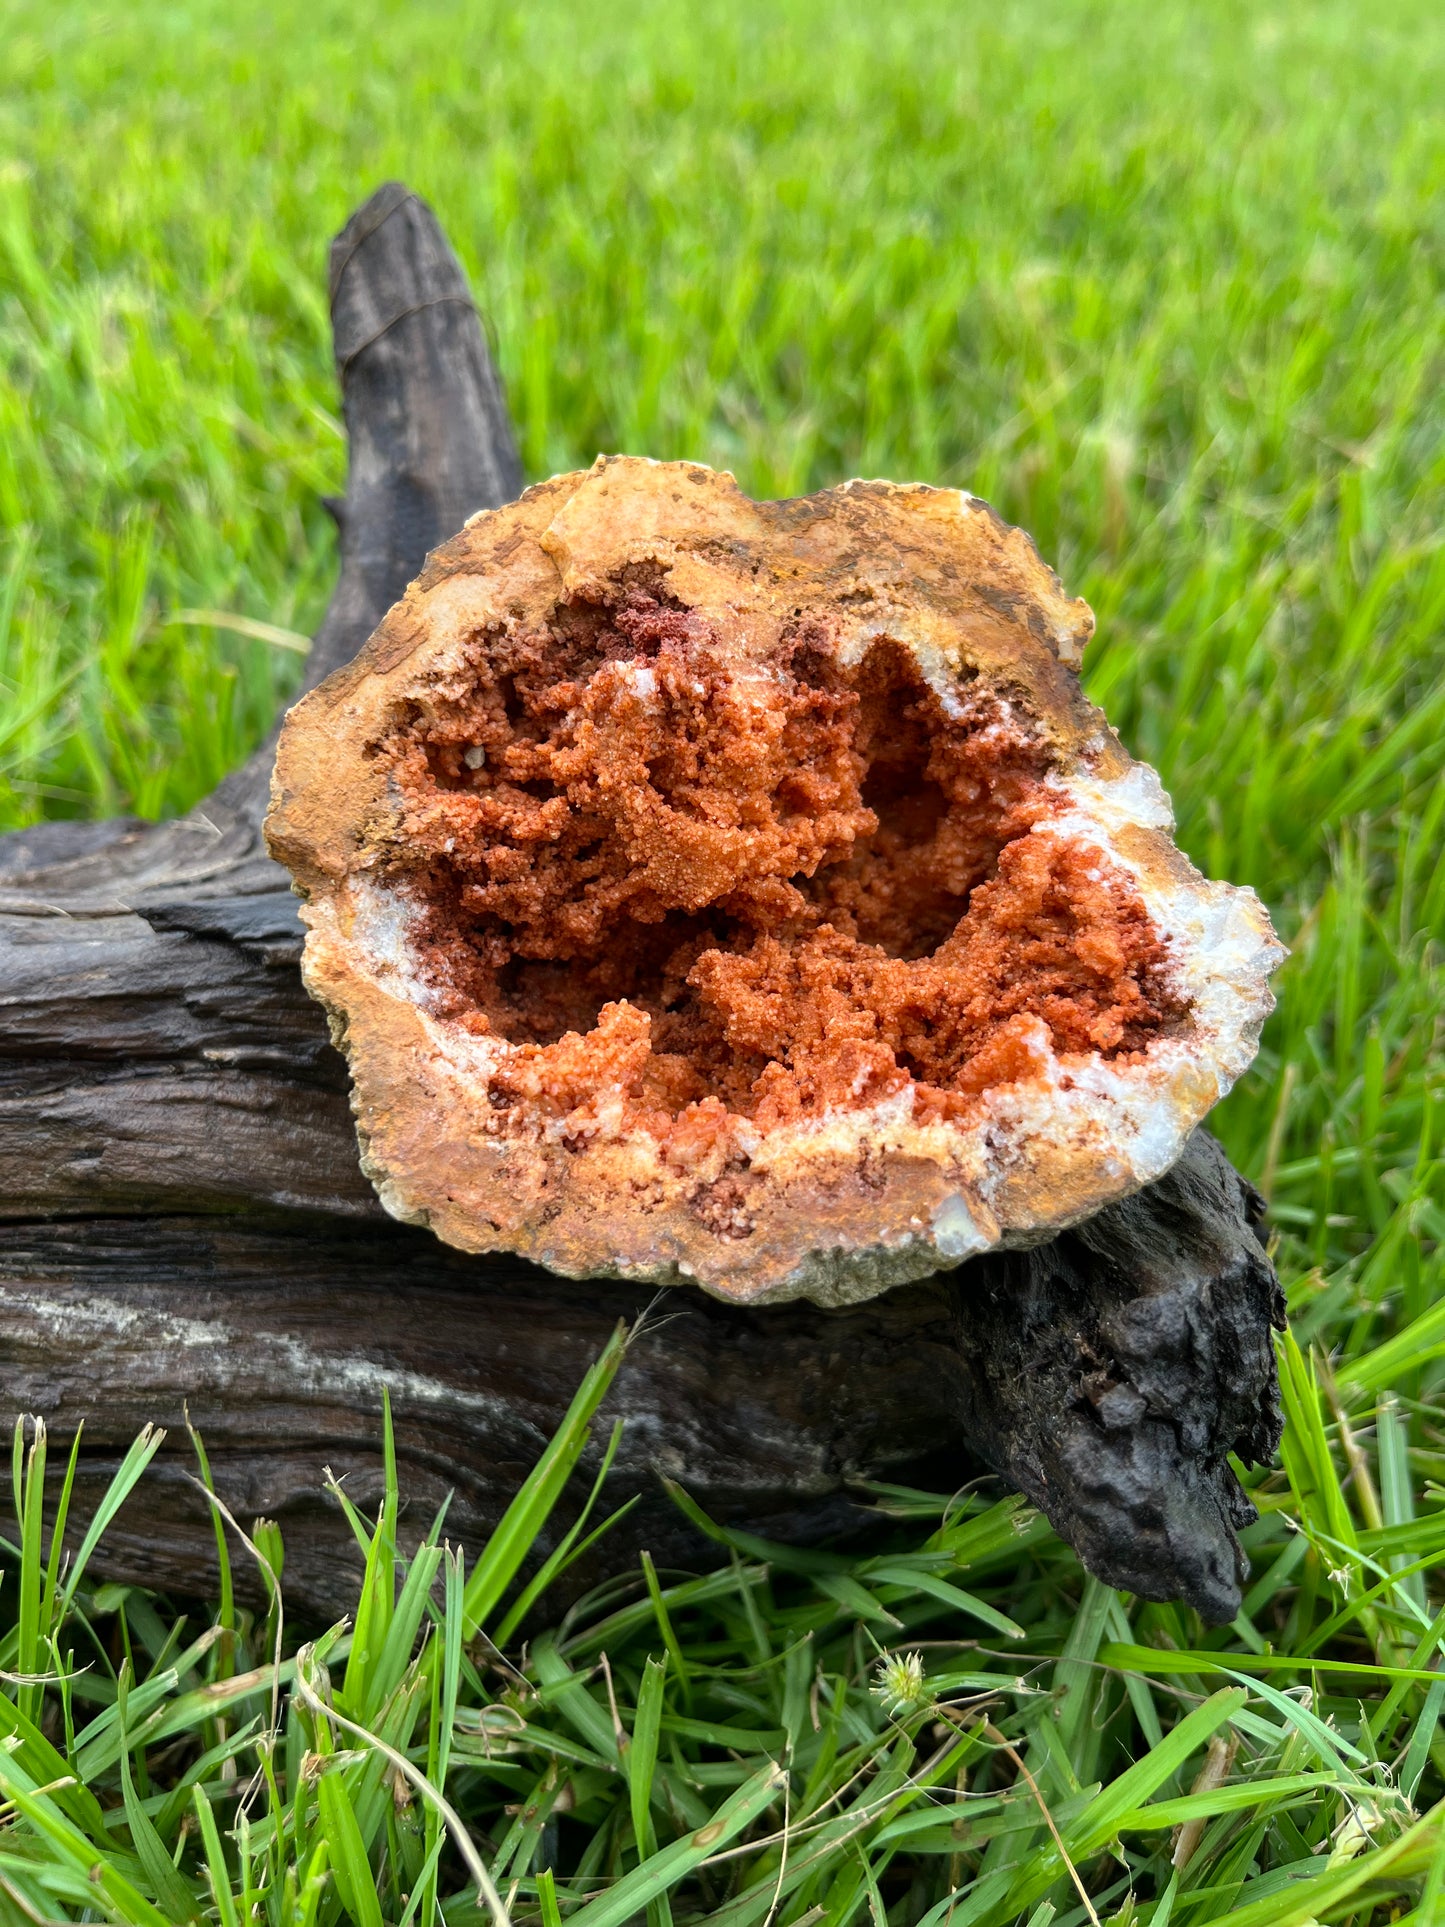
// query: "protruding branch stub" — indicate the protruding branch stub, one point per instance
point(746, 892)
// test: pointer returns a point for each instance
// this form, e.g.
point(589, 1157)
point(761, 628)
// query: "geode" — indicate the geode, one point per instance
point(745, 892)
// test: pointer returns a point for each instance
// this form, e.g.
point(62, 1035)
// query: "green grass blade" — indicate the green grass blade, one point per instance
point(567, 1691)
point(634, 1891)
point(226, 1608)
point(354, 1880)
point(1414, 1852)
point(1417, 1752)
point(963, 1602)
point(170, 1890)
point(547, 1899)
point(524, 1518)
point(215, 1860)
point(75, 1849)
point(664, 1623)
point(147, 1444)
point(1397, 1497)
point(640, 1762)
point(571, 1544)
point(1138, 1782)
point(32, 1571)
point(57, 1539)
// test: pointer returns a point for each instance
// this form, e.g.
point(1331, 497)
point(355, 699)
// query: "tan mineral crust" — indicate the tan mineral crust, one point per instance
point(745, 892)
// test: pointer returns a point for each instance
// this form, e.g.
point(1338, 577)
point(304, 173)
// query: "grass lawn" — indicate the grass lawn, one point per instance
point(1164, 282)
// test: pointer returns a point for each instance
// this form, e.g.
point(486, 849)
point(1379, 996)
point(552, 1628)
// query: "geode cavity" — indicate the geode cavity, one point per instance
point(746, 892)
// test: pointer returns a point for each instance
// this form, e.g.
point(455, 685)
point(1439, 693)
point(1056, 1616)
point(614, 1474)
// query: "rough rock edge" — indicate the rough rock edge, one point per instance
point(1089, 1136)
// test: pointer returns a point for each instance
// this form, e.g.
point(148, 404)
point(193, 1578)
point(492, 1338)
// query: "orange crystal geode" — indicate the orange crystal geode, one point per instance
point(745, 892)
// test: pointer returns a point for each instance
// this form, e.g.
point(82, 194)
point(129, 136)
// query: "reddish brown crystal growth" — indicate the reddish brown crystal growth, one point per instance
point(746, 892)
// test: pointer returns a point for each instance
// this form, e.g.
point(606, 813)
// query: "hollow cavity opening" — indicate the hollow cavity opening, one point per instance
point(809, 881)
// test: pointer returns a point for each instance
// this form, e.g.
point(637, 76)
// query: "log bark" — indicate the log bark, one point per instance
point(184, 1223)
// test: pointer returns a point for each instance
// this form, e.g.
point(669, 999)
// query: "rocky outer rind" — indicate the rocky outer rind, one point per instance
point(597, 1151)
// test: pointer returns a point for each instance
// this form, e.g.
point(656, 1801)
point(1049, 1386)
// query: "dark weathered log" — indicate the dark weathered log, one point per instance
point(1106, 1374)
point(183, 1218)
point(1103, 1373)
